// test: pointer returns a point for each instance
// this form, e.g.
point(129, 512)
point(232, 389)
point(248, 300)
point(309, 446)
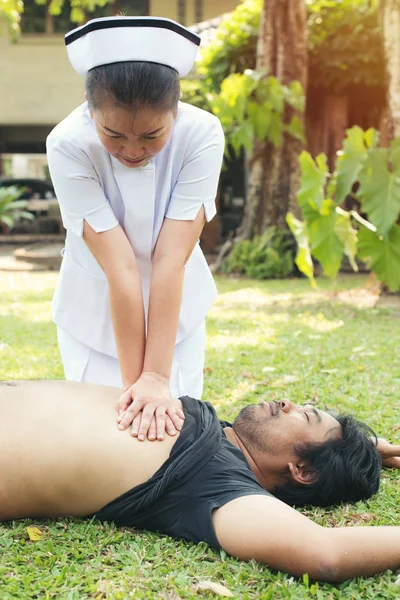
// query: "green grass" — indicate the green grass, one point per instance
point(265, 339)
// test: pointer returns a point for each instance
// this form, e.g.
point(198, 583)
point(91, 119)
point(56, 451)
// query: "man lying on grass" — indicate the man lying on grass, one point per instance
point(62, 453)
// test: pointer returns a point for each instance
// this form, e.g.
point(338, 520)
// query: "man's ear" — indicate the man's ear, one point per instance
point(302, 473)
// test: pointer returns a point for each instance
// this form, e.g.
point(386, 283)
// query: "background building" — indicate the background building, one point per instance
point(39, 86)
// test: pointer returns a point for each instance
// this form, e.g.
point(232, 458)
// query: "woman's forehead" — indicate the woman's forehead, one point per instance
point(139, 122)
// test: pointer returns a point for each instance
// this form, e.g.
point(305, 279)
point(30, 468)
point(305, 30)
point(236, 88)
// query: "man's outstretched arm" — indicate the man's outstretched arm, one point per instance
point(267, 530)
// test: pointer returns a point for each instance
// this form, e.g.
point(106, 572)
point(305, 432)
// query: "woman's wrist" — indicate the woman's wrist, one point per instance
point(155, 376)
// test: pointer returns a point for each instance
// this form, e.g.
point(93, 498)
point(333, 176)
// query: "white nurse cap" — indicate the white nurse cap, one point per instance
point(119, 39)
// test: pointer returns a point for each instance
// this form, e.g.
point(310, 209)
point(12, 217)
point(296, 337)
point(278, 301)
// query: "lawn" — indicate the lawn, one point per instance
point(265, 340)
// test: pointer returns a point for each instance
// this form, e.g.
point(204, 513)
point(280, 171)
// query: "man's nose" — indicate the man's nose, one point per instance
point(285, 405)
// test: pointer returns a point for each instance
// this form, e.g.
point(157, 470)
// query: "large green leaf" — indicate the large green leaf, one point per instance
point(380, 191)
point(243, 136)
point(303, 256)
point(294, 95)
point(313, 179)
point(350, 162)
point(347, 235)
point(395, 154)
point(296, 129)
point(382, 255)
point(260, 117)
point(11, 209)
point(275, 129)
point(325, 244)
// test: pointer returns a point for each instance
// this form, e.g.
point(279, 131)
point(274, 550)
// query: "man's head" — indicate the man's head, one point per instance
point(306, 456)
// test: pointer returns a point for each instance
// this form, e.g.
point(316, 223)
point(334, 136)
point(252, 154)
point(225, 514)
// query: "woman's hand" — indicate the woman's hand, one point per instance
point(147, 406)
point(389, 453)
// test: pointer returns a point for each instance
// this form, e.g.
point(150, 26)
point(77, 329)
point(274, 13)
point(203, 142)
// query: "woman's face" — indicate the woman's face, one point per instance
point(133, 138)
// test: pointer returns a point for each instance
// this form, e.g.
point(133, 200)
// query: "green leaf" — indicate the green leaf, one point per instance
point(7, 220)
point(380, 191)
point(395, 154)
point(296, 129)
point(347, 235)
point(260, 118)
point(371, 137)
point(350, 162)
point(325, 244)
point(313, 179)
point(243, 136)
point(382, 255)
point(276, 94)
point(303, 256)
point(275, 130)
point(294, 96)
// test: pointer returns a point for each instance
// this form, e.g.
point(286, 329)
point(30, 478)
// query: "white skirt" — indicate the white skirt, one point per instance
point(82, 363)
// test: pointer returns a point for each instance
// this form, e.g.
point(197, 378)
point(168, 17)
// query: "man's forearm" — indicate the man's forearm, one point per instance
point(127, 313)
point(362, 551)
point(164, 307)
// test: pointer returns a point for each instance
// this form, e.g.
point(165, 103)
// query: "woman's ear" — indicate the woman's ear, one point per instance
point(85, 95)
point(302, 473)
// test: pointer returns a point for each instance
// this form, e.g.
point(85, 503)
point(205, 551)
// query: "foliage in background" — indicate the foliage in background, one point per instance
point(369, 175)
point(266, 256)
point(10, 14)
point(345, 46)
point(12, 209)
point(11, 10)
point(251, 106)
point(234, 48)
point(196, 93)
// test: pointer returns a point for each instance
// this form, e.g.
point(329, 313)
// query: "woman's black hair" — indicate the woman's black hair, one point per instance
point(133, 85)
point(347, 469)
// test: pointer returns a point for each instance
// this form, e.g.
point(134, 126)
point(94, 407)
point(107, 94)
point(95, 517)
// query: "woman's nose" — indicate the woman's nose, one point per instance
point(133, 149)
point(285, 405)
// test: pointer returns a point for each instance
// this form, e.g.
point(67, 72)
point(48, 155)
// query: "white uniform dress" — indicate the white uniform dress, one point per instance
point(93, 186)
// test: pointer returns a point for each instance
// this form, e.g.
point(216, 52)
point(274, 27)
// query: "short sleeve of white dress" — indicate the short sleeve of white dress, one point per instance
point(198, 179)
point(77, 188)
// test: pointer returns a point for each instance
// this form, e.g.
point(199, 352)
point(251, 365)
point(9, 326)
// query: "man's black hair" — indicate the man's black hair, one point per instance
point(347, 469)
point(133, 85)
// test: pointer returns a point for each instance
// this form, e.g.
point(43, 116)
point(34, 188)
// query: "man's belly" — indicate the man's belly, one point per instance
point(61, 452)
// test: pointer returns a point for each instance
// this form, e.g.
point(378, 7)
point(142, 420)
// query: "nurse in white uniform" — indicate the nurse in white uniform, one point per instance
point(136, 173)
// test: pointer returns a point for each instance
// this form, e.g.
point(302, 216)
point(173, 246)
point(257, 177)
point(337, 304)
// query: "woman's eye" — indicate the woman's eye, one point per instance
point(150, 138)
point(115, 137)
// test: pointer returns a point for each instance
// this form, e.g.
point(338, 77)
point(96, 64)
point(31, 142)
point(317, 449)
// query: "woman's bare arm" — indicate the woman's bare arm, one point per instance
point(151, 393)
point(115, 255)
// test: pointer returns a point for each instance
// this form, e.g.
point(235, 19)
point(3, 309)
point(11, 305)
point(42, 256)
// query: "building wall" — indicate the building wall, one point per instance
point(214, 8)
point(38, 85)
point(211, 9)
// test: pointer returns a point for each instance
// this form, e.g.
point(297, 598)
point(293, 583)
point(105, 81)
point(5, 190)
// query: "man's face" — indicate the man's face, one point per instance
point(271, 431)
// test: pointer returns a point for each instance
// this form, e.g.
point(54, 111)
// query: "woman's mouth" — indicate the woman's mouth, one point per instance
point(133, 162)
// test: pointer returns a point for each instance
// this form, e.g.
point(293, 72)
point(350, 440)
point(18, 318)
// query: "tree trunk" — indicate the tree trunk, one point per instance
point(274, 173)
point(49, 23)
point(390, 20)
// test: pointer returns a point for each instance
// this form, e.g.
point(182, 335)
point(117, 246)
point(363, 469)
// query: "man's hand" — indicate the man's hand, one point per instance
point(389, 453)
point(147, 406)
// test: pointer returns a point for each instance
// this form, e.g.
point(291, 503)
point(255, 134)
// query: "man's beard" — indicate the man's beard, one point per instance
point(251, 431)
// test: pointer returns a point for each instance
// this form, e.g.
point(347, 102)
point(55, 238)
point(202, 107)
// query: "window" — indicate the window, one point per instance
point(182, 11)
point(37, 19)
point(198, 10)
